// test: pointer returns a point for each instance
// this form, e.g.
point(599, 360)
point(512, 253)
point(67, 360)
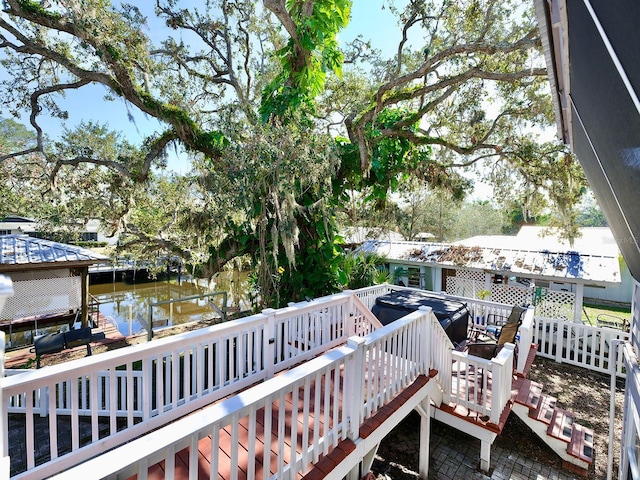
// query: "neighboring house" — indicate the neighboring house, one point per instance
point(357, 235)
point(524, 268)
point(593, 241)
point(591, 49)
point(14, 224)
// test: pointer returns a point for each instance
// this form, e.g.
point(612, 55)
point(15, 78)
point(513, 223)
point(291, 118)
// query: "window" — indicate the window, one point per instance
point(90, 236)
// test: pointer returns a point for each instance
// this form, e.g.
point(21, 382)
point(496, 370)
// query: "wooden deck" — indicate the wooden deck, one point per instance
point(253, 458)
point(255, 449)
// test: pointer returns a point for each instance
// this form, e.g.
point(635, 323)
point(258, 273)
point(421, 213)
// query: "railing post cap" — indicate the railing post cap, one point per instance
point(355, 341)
point(425, 308)
point(268, 311)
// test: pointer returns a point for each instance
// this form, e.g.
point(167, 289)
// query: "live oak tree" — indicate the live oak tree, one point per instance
point(280, 119)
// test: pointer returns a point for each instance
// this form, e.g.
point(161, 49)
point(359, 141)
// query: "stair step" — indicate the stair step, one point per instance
point(581, 445)
point(545, 409)
point(529, 394)
point(533, 350)
point(561, 426)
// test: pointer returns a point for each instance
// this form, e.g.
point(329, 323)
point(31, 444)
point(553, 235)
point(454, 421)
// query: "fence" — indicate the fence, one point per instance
point(127, 392)
point(578, 344)
point(548, 303)
point(328, 396)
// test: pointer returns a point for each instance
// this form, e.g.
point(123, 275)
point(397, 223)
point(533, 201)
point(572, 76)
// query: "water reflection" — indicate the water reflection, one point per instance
point(128, 303)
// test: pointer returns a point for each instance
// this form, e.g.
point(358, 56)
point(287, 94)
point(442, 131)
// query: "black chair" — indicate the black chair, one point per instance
point(489, 346)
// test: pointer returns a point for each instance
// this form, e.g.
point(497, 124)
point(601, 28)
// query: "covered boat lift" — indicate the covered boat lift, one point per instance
point(48, 277)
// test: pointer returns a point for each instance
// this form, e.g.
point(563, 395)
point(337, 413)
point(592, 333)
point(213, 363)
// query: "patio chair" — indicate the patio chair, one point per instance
point(489, 346)
point(612, 321)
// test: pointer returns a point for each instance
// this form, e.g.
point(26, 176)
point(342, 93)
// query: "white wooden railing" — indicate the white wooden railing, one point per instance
point(126, 392)
point(578, 344)
point(482, 313)
point(391, 358)
point(482, 386)
point(394, 356)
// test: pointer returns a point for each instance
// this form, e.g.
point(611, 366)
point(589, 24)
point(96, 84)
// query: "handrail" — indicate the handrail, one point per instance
point(525, 334)
point(578, 344)
point(5, 461)
point(139, 389)
point(471, 388)
point(142, 388)
point(344, 405)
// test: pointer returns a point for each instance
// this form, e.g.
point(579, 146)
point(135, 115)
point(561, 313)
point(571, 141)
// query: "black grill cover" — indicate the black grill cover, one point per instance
point(452, 315)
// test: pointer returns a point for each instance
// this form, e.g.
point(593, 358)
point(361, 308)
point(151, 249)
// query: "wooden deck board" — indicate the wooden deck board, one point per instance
point(242, 447)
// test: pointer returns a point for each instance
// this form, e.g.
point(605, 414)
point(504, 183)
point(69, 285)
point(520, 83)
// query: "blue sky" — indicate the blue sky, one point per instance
point(369, 18)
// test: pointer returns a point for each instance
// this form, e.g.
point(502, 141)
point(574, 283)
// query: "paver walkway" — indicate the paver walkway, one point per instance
point(455, 456)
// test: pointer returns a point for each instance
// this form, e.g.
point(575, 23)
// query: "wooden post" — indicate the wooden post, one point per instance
point(352, 328)
point(425, 341)
point(577, 303)
point(424, 448)
point(269, 346)
point(5, 461)
point(84, 276)
point(354, 383)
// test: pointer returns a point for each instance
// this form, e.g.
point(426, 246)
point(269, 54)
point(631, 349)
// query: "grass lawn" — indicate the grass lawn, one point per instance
point(591, 312)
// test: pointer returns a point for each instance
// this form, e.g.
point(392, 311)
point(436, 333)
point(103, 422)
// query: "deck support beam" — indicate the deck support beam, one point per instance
point(485, 455)
point(424, 409)
point(485, 436)
point(367, 460)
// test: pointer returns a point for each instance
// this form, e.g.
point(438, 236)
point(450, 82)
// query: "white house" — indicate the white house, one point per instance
point(14, 224)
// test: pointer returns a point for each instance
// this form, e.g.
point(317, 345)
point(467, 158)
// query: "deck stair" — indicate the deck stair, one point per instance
point(555, 426)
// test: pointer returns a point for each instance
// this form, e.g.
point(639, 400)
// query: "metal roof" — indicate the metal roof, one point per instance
point(22, 250)
point(567, 265)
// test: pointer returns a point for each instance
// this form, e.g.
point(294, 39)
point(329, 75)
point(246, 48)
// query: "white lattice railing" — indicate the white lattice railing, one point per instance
point(548, 303)
point(339, 408)
point(511, 294)
point(464, 287)
point(127, 392)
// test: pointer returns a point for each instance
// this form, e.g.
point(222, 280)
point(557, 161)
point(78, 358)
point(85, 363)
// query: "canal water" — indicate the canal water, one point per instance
point(129, 303)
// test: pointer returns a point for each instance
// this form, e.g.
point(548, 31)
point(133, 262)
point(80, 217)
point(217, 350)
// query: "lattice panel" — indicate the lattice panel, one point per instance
point(43, 296)
point(554, 304)
point(463, 287)
point(510, 295)
point(471, 275)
